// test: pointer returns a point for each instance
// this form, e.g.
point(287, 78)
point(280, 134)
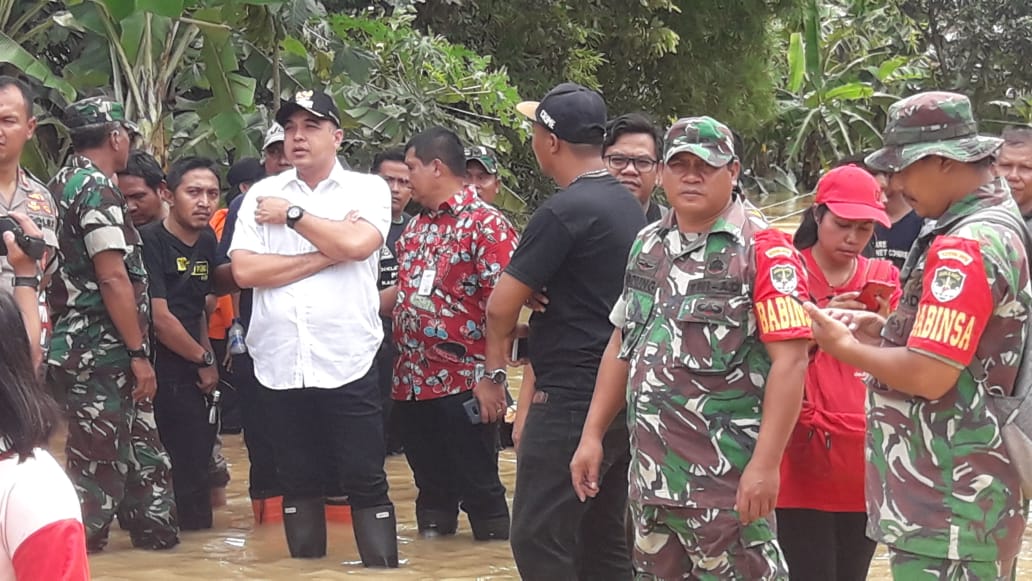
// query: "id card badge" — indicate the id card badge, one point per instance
point(426, 282)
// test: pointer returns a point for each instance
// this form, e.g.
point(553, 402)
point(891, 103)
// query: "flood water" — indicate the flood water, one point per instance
point(237, 549)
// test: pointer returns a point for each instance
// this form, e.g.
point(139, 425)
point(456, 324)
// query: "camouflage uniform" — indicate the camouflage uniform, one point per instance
point(695, 313)
point(115, 458)
point(940, 489)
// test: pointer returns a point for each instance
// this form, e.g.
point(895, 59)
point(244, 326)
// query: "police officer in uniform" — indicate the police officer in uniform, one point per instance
point(941, 492)
point(710, 347)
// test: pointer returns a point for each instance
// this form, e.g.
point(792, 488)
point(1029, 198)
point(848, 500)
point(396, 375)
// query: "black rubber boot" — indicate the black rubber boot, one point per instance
point(376, 535)
point(433, 523)
point(490, 529)
point(304, 520)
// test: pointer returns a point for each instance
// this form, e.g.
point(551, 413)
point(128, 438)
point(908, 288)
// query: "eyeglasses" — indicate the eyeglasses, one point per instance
point(619, 162)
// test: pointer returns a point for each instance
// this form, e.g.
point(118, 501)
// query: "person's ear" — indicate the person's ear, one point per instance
point(31, 125)
point(165, 193)
point(553, 143)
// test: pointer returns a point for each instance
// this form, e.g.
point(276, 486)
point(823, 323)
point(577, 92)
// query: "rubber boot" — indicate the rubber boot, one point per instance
point(376, 535)
point(490, 529)
point(304, 520)
point(433, 523)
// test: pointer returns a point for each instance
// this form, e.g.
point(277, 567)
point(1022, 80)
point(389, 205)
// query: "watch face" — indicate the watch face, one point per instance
point(498, 377)
point(293, 212)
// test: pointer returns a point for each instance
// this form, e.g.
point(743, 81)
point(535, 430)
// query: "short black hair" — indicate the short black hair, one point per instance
point(1018, 135)
point(27, 95)
point(28, 415)
point(393, 154)
point(91, 136)
point(185, 165)
point(143, 165)
point(439, 143)
point(630, 124)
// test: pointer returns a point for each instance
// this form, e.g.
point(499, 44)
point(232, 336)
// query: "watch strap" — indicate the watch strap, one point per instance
point(29, 281)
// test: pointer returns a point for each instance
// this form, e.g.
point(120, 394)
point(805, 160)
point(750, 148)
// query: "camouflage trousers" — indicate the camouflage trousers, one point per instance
point(910, 567)
point(115, 459)
point(704, 544)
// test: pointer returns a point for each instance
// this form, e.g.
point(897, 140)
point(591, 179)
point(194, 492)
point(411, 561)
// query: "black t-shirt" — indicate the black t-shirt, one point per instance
point(388, 254)
point(183, 275)
point(894, 243)
point(575, 248)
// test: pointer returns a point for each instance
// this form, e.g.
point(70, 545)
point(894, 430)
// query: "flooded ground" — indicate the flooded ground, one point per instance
point(237, 549)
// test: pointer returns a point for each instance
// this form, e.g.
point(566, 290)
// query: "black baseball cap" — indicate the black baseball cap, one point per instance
point(315, 102)
point(573, 113)
point(248, 169)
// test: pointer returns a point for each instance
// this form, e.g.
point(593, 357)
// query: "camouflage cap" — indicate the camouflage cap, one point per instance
point(484, 156)
point(704, 137)
point(927, 124)
point(95, 110)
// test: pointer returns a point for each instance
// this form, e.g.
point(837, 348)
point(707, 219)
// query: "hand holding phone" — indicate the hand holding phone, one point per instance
point(874, 290)
point(472, 407)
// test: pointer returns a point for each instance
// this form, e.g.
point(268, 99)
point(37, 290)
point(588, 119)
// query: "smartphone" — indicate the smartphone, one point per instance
point(472, 407)
point(872, 290)
point(519, 349)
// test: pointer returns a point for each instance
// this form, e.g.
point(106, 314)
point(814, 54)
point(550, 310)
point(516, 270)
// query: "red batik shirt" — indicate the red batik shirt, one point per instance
point(448, 262)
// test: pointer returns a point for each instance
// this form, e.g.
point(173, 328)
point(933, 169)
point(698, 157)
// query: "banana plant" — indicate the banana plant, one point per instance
point(23, 24)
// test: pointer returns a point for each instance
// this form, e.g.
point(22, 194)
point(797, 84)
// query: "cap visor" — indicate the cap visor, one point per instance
point(487, 164)
point(272, 140)
point(965, 150)
point(528, 109)
point(288, 109)
point(848, 211)
point(702, 152)
point(132, 126)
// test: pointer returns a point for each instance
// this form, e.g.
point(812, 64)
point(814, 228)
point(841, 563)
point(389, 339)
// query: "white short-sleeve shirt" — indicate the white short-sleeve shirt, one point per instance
point(322, 331)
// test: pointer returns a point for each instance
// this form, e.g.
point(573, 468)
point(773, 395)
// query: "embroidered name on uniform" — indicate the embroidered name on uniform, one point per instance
point(780, 313)
point(954, 254)
point(944, 325)
point(641, 283)
point(778, 252)
point(715, 286)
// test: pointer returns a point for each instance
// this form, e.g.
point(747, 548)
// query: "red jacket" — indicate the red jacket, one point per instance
point(823, 465)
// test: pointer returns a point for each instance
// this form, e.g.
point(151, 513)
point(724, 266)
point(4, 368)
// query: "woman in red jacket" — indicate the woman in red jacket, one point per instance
point(821, 512)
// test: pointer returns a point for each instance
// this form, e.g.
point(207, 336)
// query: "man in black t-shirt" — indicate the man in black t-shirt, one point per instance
point(390, 165)
point(893, 243)
point(179, 252)
point(575, 247)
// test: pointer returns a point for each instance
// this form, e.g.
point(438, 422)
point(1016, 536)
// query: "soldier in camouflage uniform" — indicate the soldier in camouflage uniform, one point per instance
point(99, 357)
point(941, 492)
point(710, 348)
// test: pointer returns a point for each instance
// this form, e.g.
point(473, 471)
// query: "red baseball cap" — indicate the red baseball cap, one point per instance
point(852, 193)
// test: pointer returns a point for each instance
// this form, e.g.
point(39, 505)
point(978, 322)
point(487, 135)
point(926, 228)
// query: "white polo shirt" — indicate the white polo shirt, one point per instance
point(322, 331)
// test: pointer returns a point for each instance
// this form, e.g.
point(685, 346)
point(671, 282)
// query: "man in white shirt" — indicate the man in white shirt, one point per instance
point(308, 242)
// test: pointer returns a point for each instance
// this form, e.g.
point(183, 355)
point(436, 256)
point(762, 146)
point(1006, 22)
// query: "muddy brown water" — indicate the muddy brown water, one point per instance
point(237, 549)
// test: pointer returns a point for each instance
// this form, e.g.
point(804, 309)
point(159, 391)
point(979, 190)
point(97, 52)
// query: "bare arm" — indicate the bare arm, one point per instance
point(503, 312)
point(224, 281)
point(253, 270)
point(28, 303)
point(388, 298)
point(117, 293)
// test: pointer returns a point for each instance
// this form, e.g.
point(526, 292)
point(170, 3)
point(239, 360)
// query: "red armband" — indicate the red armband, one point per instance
point(780, 279)
point(956, 301)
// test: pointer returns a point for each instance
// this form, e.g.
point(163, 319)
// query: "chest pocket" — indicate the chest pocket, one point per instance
point(640, 305)
point(712, 327)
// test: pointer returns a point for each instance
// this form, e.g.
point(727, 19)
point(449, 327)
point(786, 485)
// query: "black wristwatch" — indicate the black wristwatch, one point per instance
point(294, 213)
point(208, 360)
point(142, 353)
point(497, 377)
point(29, 281)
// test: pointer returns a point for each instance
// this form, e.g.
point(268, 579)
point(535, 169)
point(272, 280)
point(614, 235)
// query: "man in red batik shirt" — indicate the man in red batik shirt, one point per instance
point(449, 258)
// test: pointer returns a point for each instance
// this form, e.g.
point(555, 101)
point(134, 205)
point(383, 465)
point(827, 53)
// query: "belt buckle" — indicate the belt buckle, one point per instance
point(540, 397)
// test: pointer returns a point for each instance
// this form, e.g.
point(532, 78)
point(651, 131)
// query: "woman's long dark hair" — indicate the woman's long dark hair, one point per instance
point(28, 415)
point(806, 235)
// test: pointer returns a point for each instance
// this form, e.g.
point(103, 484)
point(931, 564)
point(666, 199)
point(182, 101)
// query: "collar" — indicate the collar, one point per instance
point(338, 175)
point(731, 221)
point(993, 193)
point(454, 205)
point(79, 161)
